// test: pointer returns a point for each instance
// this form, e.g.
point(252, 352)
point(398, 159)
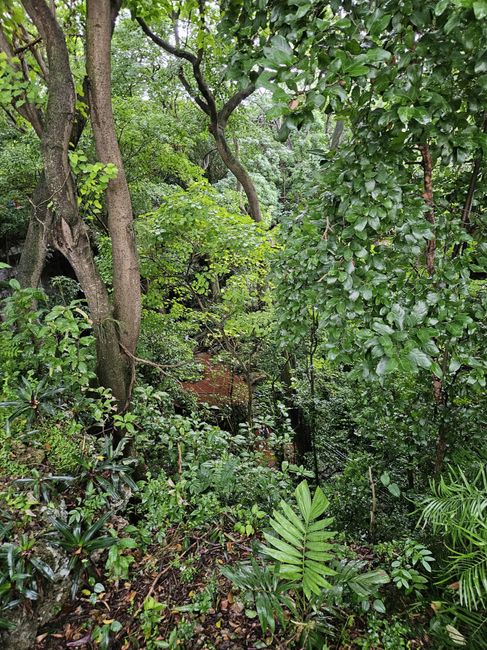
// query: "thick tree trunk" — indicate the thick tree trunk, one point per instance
point(34, 251)
point(113, 369)
point(126, 276)
point(69, 233)
point(238, 170)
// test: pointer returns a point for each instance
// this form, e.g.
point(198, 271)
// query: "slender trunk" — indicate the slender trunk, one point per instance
point(373, 505)
point(126, 277)
point(437, 385)
point(313, 345)
point(239, 185)
point(467, 208)
point(428, 199)
point(34, 251)
point(238, 170)
point(337, 134)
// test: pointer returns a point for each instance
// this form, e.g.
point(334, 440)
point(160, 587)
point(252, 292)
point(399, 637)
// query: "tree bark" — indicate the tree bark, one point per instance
point(437, 385)
point(238, 170)
point(112, 368)
point(126, 276)
point(428, 199)
point(337, 134)
point(36, 242)
point(69, 233)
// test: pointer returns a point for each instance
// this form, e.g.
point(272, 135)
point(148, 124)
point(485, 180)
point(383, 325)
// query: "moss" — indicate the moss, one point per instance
point(62, 444)
point(9, 463)
point(54, 445)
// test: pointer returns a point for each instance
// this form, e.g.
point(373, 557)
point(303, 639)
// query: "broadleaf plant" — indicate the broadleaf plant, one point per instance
point(302, 545)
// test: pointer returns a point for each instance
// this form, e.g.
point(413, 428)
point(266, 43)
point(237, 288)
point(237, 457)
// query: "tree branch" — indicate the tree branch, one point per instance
point(19, 50)
point(187, 86)
point(205, 91)
point(28, 111)
point(467, 207)
point(233, 103)
point(170, 49)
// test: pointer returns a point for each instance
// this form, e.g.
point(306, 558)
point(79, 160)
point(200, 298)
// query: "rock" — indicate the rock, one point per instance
point(29, 617)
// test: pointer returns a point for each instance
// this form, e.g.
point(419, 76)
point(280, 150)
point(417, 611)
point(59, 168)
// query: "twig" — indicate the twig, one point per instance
point(147, 362)
point(19, 50)
point(373, 504)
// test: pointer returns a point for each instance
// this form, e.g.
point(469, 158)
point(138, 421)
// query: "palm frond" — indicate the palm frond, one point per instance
point(302, 545)
point(457, 508)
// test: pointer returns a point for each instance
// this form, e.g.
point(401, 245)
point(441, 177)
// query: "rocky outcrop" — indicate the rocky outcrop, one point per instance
point(31, 615)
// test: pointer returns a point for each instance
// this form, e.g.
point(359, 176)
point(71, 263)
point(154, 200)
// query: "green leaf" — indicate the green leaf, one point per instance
point(436, 370)
point(303, 497)
point(382, 328)
point(282, 557)
point(283, 546)
point(441, 6)
point(319, 504)
point(405, 113)
point(398, 314)
point(480, 9)
point(379, 606)
point(357, 70)
point(285, 529)
point(385, 479)
point(379, 25)
point(420, 358)
point(394, 489)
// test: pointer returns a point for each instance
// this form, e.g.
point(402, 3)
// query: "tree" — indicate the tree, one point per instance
point(56, 219)
point(392, 245)
point(204, 97)
point(126, 277)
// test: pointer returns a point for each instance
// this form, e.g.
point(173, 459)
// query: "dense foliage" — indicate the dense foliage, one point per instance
point(243, 324)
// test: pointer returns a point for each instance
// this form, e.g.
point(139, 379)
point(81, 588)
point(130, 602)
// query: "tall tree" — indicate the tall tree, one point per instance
point(56, 219)
point(126, 277)
point(199, 63)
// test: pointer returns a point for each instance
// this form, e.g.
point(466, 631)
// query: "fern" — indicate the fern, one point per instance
point(302, 547)
point(457, 508)
point(456, 498)
point(264, 588)
point(349, 573)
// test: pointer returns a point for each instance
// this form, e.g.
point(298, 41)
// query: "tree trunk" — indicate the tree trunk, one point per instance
point(69, 233)
point(238, 170)
point(113, 369)
point(126, 276)
point(437, 385)
point(34, 251)
point(337, 134)
point(428, 199)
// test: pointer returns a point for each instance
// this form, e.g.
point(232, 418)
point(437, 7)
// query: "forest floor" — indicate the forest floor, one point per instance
point(160, 574)
point(181, 578)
